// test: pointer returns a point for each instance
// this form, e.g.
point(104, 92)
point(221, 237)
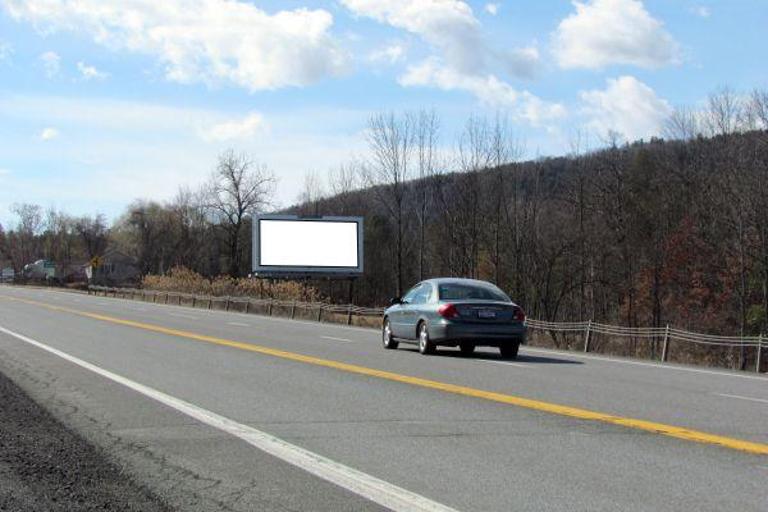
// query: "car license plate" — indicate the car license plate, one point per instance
point(486, 313)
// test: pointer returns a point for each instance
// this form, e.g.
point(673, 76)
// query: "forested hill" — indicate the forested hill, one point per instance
point(643, 234)
point(648, 234)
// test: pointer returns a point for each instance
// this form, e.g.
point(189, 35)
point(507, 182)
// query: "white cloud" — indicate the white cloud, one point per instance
point(235, 129)
point(521, 62)
point(492, 8)
point(464, 61)
point(209, 41)
point(449, 26)
point(49, 134)
point(626, 106)
point(488, 89)
point(605, 32)
point(702, 11)
point(90, 72)
point(51, 63)
point(392, 54)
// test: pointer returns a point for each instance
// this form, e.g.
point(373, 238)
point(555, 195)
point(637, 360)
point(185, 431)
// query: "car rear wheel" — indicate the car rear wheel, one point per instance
point(386, 336)
point(509, 351)
point(467, 349)
point(425, 345)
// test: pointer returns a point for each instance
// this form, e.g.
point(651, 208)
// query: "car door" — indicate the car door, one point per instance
point(398, 315)
point(414, 309)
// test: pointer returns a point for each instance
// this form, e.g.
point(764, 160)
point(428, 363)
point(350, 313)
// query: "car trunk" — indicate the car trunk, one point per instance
point(485, 311)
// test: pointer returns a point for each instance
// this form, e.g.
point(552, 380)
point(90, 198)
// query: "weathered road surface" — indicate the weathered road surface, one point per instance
point(215, 410)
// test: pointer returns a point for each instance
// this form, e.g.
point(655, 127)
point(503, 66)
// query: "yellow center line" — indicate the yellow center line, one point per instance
point(536, 405)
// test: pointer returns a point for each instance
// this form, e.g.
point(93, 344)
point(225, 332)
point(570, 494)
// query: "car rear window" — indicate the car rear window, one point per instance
point(470, 292)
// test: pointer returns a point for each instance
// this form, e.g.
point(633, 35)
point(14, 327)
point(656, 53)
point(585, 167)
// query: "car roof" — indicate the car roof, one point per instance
point(458, 280)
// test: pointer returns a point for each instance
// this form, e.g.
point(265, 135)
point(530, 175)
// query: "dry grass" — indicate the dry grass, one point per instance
point(181, 279)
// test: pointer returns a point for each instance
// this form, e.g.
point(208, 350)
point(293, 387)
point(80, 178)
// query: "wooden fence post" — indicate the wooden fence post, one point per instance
point(247, 305)
point(226, 303)
point(269, 309)
point(293, 309)
point(349, 314)
point(586, 335)
point(320, 313)
point(194, 299)
point(759, 353)
point(665, 346)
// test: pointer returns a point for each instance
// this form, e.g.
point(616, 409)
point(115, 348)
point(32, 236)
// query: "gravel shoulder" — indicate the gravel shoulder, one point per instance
point(46, 466)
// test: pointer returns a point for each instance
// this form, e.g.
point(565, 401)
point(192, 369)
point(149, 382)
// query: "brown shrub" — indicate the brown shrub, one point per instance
point(181, 279)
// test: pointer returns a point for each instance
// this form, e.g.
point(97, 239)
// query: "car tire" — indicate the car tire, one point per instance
point(425, 345)
point(386, 336)
point(509, 351)
point(467, 349)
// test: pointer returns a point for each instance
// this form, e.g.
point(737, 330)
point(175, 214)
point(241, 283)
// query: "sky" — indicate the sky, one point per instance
point(106, 101)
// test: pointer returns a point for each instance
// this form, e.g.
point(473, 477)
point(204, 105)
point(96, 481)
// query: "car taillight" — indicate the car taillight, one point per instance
point(519, 315)
point(448, 311)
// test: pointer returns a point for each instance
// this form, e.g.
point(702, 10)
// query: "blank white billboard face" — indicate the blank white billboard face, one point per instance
point(301, 243)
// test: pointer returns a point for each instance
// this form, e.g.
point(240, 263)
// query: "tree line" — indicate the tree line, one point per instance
point(673, 230)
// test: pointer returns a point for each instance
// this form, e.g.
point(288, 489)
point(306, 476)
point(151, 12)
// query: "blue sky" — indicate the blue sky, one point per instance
point(106, 101)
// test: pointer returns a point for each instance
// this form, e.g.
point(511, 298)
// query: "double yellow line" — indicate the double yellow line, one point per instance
point(536, 405)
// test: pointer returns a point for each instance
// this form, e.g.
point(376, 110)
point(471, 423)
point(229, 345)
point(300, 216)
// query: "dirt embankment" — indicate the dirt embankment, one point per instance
point(46, 467)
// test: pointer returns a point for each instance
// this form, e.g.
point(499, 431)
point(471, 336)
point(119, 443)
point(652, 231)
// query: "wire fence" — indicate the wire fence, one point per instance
point(664, 335)
point(352, 314)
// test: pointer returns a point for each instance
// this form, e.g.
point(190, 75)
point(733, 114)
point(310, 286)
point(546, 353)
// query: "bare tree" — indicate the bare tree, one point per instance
point(93, 233)
point(683, 124)
point(57, 237)
point(427, 129)
point(758, 106)
point(343, 181)
point(313, 192)
point(474, 155)
point(239, 187)
point(724, 113)
point(505, 149)
point(391, 141)
point(27, 229)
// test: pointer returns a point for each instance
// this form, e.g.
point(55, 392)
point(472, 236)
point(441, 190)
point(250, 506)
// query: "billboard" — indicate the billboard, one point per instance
point(291, 245)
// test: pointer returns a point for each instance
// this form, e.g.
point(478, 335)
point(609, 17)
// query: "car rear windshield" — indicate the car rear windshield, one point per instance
point(470, 292)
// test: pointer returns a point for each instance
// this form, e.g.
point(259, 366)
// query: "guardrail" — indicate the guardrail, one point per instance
point(247, 304)
point(320, 310)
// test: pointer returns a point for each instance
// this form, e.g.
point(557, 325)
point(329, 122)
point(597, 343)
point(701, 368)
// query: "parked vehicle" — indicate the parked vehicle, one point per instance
point(452, 312)
point(7, 275)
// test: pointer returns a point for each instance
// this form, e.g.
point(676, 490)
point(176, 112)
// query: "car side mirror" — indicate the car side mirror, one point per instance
point(395, 300)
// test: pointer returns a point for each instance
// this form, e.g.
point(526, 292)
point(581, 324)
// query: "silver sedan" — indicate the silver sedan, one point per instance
point(455, 312)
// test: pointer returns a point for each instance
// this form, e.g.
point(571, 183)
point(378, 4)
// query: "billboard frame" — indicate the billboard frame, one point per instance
point(293, 272)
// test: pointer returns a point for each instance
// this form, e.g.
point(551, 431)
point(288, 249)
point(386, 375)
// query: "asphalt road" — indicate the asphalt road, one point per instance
point(469, 434)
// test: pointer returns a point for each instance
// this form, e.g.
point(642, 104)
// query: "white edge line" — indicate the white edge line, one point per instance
point(723, 373)
point(369, 487)
point(182, 315)
point(238, 324)
point(751, 399)
point(336, 339)
point(506, 363)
